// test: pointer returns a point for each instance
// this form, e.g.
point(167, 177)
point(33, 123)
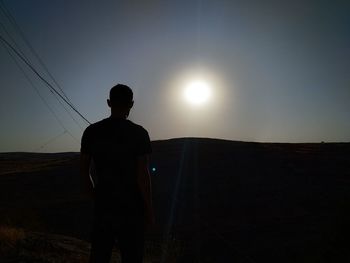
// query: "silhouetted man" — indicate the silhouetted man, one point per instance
point(119, 150)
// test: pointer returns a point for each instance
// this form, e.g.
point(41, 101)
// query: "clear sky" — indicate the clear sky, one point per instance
point(278, 71)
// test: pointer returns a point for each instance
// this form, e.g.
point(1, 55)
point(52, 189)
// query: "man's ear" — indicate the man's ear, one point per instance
point(131, 104)
point(109, 103)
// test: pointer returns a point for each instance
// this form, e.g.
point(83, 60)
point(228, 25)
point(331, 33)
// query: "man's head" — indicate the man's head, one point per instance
point(120, 99)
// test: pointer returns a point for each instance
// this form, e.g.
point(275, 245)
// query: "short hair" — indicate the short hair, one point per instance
point(121, 94)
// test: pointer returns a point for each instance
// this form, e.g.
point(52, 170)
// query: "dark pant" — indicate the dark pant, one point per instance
point(123, 225)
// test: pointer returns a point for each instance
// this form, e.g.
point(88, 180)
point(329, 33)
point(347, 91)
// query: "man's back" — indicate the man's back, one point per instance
point(115, 144)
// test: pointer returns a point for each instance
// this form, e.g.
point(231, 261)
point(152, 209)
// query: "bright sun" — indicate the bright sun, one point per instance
point(197, 92)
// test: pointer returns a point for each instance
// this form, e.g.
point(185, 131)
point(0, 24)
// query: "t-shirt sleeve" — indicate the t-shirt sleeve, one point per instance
point(86, 141)
point(144, 143)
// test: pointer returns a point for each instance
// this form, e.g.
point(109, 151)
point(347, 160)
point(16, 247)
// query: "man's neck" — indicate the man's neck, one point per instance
point(118, 115)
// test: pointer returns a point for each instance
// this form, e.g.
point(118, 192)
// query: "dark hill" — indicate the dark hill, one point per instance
point(225, 201)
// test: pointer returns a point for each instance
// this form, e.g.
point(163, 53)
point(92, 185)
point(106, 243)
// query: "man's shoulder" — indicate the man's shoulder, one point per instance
point(137, 128)
point(135, 125)
point(100, 123)
point(142, 139)
point(96, 125)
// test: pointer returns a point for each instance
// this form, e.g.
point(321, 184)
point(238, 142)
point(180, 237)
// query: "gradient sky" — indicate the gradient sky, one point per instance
point(279, 70)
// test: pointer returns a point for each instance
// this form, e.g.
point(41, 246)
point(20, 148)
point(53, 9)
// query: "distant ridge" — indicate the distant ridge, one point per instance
point(171, 140)
point(37, 153)
point(219, 140)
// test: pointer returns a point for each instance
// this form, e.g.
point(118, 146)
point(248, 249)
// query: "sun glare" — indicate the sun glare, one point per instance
point(197, 92)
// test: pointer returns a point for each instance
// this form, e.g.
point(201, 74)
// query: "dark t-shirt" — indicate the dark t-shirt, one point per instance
point(115, 145)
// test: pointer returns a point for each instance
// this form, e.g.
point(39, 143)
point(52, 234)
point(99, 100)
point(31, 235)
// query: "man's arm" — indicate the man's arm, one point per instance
point(144, 183)
point(85, 160)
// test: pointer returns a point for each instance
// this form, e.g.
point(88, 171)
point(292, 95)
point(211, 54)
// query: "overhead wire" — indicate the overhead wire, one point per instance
point(16, 26)
point(38, 92)
point(50, 141)
point(41, 62)
point(34, 87)
point(43, 79)
point(67, 110)
point(63, 96)
point(26, 60)
point(12, 39)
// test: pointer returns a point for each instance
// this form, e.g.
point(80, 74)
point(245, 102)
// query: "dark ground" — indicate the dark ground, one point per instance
point(221, 201)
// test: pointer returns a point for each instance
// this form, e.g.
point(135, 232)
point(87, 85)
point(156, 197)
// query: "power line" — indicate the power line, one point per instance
point(14, 47)
point(12, 39)
point(42, 78)
point(56, 97)
point(10, 18)
point(14, 23)
point(35, 88)
point(68, 112)
point(25, 59)
point(41, 97)
point(50, 141)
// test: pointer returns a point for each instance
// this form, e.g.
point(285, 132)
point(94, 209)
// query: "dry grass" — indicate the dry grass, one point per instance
point(10, 240)
point(18, 245)
point(31, 162)
point(11, 235)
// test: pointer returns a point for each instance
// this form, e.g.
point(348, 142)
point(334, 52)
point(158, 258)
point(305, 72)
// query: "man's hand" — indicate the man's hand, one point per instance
point(88, 190)
point(144, 182)
point(149, 218)
point(88, 193)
